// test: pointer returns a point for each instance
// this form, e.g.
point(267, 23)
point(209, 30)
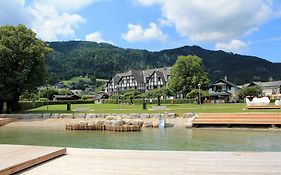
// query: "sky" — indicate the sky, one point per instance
point(248, 27)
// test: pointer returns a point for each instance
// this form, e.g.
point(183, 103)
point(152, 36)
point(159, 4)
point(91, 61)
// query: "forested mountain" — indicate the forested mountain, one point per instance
point(74, 58)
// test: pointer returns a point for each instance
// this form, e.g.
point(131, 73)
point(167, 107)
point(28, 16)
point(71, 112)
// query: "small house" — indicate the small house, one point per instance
point(223, 91)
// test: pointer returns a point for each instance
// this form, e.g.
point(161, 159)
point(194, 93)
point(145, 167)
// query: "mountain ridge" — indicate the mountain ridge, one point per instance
point(72, 58)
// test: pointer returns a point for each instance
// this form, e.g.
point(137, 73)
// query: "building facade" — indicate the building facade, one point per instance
point(142, 80)
point(223, 91)
point(271, 88)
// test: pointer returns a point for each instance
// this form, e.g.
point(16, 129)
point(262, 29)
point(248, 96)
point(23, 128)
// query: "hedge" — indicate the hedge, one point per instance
point(154, 101)
point(26, 105)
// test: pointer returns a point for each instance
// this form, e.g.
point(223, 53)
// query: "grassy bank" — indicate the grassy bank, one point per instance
point(125, 108)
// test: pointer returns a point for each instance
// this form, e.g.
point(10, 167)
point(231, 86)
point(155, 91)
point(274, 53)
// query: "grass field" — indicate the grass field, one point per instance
point(179, 109)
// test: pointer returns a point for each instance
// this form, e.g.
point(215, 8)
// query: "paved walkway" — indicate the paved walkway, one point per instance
point(117, 162)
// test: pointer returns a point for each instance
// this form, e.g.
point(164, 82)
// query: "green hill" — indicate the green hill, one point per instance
point(80, 58)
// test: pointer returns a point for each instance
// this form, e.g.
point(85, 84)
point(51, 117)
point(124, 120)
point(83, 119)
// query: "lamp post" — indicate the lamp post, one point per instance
point(47, 98)
point(117, 86)
point(199, 85)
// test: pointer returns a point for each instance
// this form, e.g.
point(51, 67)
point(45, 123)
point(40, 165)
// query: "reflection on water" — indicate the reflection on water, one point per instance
point(148, 139)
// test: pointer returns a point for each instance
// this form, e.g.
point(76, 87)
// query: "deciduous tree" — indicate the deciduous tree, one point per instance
point(186, 74)
point(22, 66)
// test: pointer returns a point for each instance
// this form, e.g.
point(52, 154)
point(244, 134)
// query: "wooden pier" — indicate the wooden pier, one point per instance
point(4, 121)
point(15, 158)
point(272, 119)
point(264, 107)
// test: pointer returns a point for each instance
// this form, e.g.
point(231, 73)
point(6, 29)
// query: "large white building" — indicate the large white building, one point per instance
point(142, 80)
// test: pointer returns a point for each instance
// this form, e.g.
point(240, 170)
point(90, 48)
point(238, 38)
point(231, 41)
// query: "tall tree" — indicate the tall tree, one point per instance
point(253, 91)
point(186, 74)
point(22, 66)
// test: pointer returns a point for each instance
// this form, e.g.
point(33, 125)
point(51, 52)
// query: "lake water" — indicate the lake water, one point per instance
point(176, 139)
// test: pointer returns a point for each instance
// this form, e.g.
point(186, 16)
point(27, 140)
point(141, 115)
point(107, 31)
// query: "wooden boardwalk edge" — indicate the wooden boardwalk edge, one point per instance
point(32, 162)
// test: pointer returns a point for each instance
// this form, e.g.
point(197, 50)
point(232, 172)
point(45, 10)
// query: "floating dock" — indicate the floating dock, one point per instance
point(15, 158)
point(272, 119)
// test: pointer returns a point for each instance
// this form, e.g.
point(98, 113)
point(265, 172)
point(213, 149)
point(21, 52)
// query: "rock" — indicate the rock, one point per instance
point(100, 116)
point(117, 123)
point(155, 124)
point(189, 122)
point(83, 123)
point(144, 116)
point(36, 116)
point(88, 116)
point(167, 125)
point(134, 116)
point(188, 115)
point(155, 115)
point(108, 122)
point(137, 122)
point(128, 121)
point(47, 115)
point(55, 116)
point(82, 116)
point(25, 116)
point(110, 118)
point(99, 122)
point(172, 115)
point(118, 117)
point(147, 124)
point(66, 116)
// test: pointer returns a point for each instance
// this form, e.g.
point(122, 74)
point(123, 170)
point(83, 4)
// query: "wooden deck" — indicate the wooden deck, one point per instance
point(127, 162)
point(264, 107)
point(240, 119)
point(15, 158)
point(4, 121)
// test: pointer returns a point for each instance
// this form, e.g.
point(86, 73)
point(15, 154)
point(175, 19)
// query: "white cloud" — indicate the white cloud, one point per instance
point(50, 19)
point(233, 46)
point(149, 2)
point(215, 21)
point(49, 23)
point(97, 37)
point(137, 33)
point(12, 12)
point(67, 5)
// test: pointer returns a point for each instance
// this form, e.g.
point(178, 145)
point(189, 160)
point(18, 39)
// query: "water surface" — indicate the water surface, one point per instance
point(176, 139)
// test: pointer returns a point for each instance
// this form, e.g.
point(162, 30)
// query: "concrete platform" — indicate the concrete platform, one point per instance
point(14, 158)
point(116, 162)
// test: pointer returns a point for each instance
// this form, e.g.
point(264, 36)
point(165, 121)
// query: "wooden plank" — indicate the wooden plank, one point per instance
point(15, 158)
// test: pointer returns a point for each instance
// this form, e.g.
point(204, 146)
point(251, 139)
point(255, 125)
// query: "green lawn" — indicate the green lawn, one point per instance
point(124, 108)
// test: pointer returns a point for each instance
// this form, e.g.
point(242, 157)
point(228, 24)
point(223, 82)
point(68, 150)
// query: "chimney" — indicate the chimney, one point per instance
point(225, 78)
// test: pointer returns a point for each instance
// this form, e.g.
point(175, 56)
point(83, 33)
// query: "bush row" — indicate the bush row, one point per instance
point(25, 105)
point(140, 101)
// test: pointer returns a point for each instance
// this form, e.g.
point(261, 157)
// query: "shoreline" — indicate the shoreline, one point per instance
point(59, 123)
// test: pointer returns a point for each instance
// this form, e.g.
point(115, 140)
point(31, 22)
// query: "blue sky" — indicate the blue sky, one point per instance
point(251, 27)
